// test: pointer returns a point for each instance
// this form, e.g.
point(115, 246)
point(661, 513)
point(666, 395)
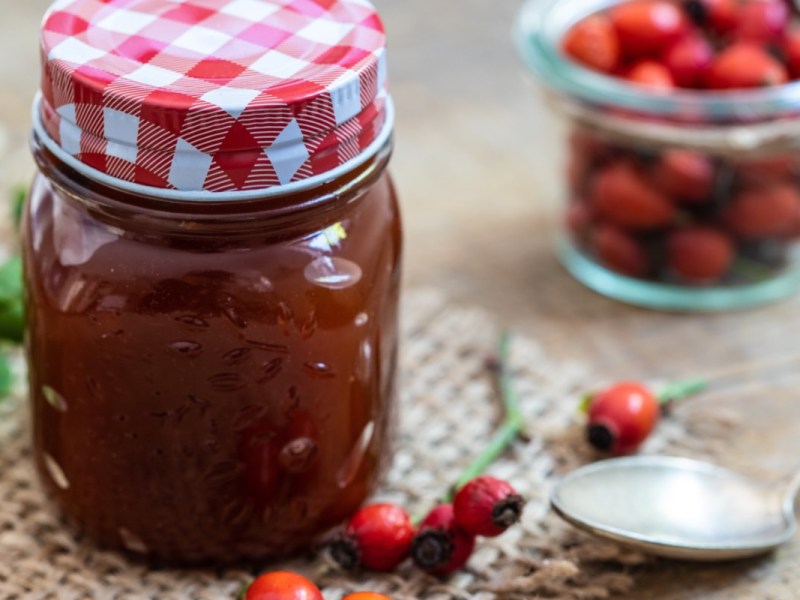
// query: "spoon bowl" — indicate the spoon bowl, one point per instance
point(677, 507)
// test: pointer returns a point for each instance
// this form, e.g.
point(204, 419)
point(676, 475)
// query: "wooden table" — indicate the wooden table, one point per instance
point(477, 168)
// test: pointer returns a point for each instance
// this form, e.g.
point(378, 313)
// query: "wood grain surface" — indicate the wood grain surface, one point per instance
point(477, 165)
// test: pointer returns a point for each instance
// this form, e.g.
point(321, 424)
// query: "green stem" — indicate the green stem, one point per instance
point(681, 389)
point(509, 430)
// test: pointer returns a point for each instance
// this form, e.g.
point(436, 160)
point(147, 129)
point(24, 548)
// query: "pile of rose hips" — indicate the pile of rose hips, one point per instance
point(675, 214)
point(381, 536)
point(701, 44)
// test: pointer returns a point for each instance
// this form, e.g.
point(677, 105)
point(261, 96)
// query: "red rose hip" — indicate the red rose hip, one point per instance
point(487, 506)
point(440, 546)
point(688, 61)
point(621, 417)
point(699, 254)
point(686, 175)
point(648, 26)
point(651, 74)
point(745, 65)
point(764, 212)
point(282, 585)
point(622, 194)
point(378, 537)
point(593, 42)
point(619, 251)
point(762, 21)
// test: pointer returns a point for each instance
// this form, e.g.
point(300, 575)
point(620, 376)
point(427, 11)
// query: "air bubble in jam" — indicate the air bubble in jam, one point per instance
point(131, 541)
point(187, 347)
point(361, 319)
point(319, 370)
point(349, 469)
point(56, 472)
point(333, 272)
point(54, 399)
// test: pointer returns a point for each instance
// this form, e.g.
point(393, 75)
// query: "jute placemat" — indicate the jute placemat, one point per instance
point(447, 408)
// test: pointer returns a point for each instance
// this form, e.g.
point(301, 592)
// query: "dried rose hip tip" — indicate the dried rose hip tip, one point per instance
point(378, 537)
point(282, 585)
point(487, 506)
point(440, 546)
point(601, 436)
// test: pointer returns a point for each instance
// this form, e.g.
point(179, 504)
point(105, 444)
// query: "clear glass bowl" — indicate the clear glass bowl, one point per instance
point(718, 171)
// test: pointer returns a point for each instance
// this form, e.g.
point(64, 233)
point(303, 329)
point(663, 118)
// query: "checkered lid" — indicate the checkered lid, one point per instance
point(212, 95)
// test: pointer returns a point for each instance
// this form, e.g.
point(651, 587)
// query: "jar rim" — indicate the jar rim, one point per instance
point(539, 29)
point(208, 196)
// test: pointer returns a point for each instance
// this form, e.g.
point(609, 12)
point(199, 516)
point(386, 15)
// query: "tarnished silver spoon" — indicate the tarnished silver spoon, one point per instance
point(678, 508)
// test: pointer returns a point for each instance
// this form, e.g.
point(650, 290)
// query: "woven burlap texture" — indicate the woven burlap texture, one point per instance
point(448, 408)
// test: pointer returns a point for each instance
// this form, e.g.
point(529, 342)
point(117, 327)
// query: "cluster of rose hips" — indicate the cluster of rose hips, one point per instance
point(381, 536)
point(700, 44)
point(676, 214)
point(681, 216)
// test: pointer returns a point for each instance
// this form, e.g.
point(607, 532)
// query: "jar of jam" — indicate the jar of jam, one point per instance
point(212, 262)
point(681, 183)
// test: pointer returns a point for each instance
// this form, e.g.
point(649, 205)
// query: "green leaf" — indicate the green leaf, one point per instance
point(18, 205)
point(586, 402)
point(6, 376)
point(12, 312)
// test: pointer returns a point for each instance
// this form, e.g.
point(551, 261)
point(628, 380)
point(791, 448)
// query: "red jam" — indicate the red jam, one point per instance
point(215, 385)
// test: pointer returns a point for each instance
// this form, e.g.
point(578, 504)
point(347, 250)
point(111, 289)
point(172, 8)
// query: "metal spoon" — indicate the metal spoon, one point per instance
point(678, 508)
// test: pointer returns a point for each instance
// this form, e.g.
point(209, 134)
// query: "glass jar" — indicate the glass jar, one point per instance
point(680, 200)
point(211, 372)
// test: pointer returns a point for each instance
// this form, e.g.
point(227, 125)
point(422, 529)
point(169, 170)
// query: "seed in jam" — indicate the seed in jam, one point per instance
point(270, 369)
point(131, 541)
point(54, 399)
point(56, 472)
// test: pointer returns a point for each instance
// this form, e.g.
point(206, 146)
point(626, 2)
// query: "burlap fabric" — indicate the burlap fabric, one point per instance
point(448, 408)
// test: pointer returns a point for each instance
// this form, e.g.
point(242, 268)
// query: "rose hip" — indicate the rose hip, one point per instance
point(762, 21)
point(378, 537)
point(487, 506)
point(621, 417)
point(688, 61)
point(593, 42)
point(766, 211)
point(440, 546)
point(791, 51)
point(648, 26)
point(686, 175)
point(619, 251)
point(624, 196)
point(366, 596)
point(282, 585)
point(699, 254)
point(745, 65)
point(651, 74)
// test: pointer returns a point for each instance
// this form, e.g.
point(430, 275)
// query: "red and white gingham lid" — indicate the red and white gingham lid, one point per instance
point(198, 96)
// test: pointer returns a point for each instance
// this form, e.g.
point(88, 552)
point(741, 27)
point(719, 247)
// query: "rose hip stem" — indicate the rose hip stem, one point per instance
point(511, 427)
